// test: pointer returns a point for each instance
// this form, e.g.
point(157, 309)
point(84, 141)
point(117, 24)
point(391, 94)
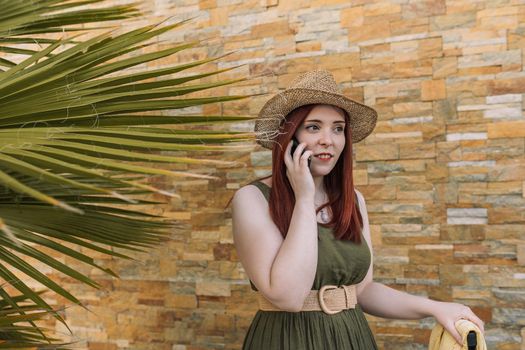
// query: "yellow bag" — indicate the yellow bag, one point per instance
point(440, 339)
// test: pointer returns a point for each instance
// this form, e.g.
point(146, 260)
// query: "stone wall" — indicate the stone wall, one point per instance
point(443, 172)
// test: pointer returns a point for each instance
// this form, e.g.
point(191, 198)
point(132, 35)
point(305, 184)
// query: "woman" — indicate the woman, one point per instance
point(302, 234)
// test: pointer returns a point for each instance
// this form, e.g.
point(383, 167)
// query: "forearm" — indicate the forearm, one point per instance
point(382, 301)
point(294, 267)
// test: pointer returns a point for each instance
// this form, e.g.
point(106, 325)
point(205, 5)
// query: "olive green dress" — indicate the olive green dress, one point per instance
point(339, 263)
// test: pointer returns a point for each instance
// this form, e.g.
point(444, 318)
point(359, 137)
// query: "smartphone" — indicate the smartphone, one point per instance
point(295, 143)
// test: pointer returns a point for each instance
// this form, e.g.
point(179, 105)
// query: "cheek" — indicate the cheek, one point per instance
point(341, 144)
point(303, 137)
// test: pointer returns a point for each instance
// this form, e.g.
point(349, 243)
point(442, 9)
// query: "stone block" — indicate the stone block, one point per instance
point(381, 8)
point(213, 288)
point(466, 216)
point(430, 48)
point(453, 20)
point(506, 129)
point(308, 46)
point(411, 69)
point(340, 62)
point(508, 315)
point(433, 90)
point(376, 29)
point(269, 3)
point(507, 86)
point(218, 16)
point(436, 173)
point(369, 71)
point(508, 171)
point(423, 9)
point(352, 17)
point(431, 254)
point(281, 27)
point(379, 152)
point(520, 253)
point(408, 108)
point(451, 275)
point(372, 192)
point(224, 252)
point(207, 4)
point(101, 346)
point(444, 66)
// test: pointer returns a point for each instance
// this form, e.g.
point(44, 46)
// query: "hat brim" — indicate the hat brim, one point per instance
point(362, 118)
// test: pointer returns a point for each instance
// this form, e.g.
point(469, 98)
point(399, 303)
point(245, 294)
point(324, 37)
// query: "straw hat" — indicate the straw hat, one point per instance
point(314, 87)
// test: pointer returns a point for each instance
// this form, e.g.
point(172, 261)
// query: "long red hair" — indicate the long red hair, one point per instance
point(346, 219)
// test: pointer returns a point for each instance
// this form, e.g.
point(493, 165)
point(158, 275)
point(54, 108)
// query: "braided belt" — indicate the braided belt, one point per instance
point(330, 299)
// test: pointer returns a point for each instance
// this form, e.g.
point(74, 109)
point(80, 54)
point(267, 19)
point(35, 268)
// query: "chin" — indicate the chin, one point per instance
point(321, 172)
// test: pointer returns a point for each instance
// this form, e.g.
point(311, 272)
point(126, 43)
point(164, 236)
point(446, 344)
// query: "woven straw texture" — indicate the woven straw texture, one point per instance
point(342, 298)
point(314, 87)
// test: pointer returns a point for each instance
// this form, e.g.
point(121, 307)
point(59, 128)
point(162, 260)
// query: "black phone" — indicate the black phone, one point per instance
point(295, 143)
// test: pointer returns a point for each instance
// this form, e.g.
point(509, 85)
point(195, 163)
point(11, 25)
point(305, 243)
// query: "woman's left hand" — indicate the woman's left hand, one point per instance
point(447, 314)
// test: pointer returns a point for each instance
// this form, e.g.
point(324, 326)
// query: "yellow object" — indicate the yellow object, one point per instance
point(440, 339)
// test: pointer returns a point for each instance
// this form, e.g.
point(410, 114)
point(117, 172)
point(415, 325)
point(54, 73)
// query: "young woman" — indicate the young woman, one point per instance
point(303, 236)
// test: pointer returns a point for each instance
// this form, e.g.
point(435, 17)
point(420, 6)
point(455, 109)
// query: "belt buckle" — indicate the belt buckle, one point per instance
point(325, 309)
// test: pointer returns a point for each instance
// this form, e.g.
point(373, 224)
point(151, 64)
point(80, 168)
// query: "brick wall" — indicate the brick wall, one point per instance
point(443, 172)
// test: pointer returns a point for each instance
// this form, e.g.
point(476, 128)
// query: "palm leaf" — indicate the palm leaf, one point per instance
point(78, 135)
point(14, 331)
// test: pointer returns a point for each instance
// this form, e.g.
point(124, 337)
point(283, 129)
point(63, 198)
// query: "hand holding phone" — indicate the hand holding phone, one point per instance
point(295, 143)
point(302, 181)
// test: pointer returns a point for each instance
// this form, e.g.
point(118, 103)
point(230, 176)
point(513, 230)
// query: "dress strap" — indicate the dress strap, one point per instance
point(264, 188)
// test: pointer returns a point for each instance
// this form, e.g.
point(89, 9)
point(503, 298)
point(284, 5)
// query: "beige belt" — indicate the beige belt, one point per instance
point(330, 299)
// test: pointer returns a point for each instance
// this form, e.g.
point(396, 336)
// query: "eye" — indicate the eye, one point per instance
point(312, 127)
point(340, 129)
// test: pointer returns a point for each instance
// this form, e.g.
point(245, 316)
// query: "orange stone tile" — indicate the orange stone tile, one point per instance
point(433, 90)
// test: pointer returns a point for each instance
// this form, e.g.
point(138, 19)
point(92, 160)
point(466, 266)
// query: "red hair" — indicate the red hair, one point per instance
point(346, 220)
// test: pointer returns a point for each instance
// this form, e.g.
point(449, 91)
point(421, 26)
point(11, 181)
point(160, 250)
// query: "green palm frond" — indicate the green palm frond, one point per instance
point(15, 333)
point(77, 143)
point(21, 20)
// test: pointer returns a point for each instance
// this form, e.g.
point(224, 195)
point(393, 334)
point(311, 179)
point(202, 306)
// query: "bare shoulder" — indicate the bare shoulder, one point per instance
point(251, 214)
point(256, 237)
point(246, 192)
point(249, 195)
point(250, 190)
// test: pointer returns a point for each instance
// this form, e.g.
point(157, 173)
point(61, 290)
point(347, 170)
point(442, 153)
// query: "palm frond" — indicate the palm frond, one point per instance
point(79, 134)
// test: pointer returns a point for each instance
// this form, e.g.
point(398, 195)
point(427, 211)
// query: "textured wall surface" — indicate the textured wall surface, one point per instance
point(443, 172)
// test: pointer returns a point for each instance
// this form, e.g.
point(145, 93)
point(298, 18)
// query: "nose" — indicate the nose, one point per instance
point(325, 138)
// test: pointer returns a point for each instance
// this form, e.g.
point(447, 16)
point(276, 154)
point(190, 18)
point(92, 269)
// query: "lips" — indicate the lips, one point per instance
point(324, 156)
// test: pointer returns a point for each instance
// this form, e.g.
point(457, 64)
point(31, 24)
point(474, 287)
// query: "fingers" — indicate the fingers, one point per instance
point(451, 313)
point(477, 321)
point(287, 157)
point(298, 157)
point(290, 160)
point(304, 158)
point(297, 154)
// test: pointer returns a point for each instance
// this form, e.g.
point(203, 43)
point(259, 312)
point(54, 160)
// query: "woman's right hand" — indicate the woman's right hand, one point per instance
point(298, 172)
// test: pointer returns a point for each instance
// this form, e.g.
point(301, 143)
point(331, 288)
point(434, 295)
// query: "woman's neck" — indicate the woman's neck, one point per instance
point(320, 191)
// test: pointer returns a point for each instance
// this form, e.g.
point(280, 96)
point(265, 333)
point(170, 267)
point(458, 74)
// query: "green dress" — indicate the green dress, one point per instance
point(339, 263)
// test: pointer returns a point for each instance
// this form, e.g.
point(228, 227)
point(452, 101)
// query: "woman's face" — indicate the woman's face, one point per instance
point(323, 131)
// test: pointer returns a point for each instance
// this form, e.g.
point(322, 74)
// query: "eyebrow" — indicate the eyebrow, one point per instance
point(319, 121)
